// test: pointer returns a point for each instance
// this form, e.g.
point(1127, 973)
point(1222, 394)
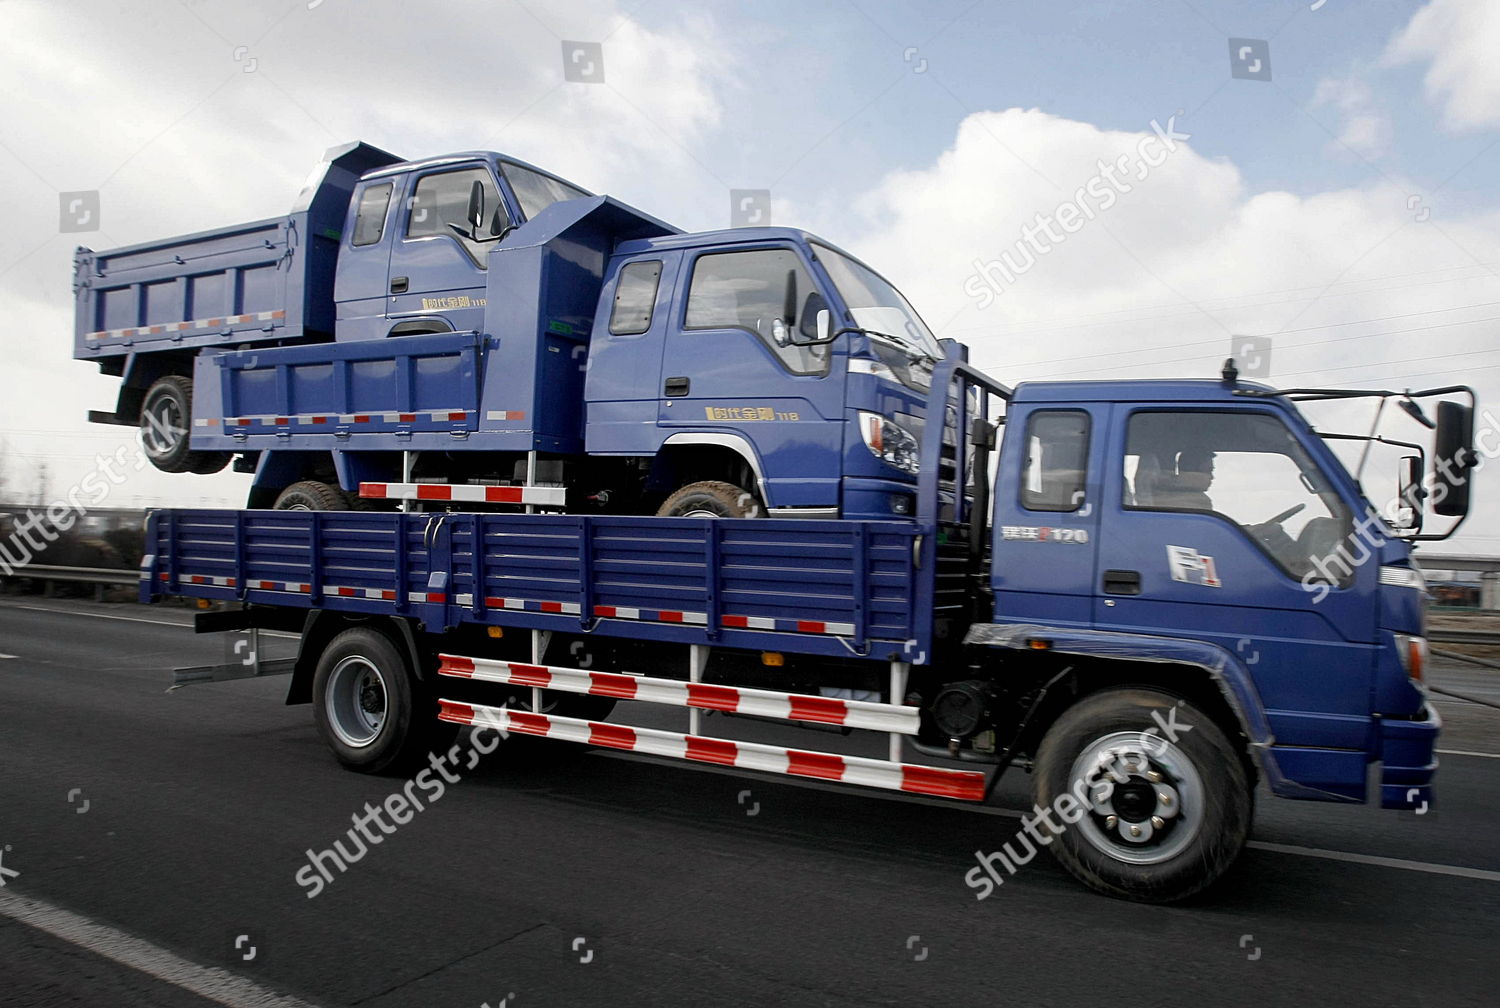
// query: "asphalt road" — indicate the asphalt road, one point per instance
point(592, 878)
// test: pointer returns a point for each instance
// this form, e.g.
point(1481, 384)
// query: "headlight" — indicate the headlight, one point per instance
point(890, 441)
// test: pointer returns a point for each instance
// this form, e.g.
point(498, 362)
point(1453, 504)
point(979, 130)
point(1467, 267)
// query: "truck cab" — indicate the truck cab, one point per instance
point(768, 359)
point(1207, 525)
point(419, 237)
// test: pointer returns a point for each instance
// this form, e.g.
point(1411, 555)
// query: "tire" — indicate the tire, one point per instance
point(369, 707)
point(166, 422)
point(312, 495)
point(1151, 840)
point(711, 499)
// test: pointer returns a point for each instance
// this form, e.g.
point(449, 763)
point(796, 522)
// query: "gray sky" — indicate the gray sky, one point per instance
point(1345, 208)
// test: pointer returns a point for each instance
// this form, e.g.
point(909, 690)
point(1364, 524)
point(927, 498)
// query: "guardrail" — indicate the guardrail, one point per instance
point(1489, 637)
point(99, 577)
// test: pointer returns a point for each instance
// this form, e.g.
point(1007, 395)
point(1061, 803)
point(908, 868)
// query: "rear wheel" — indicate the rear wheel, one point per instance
point(368, 705)
point(711, 499)
point(166, 422)
point(1161, 801)
point(313, 495)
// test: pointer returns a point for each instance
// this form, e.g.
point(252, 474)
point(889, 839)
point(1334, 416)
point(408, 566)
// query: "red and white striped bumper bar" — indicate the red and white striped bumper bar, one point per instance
point(543, 496)
point(173, 327)
point(882, 717)
point(967, 785)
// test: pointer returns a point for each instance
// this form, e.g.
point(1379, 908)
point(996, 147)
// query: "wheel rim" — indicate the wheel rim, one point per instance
point(163, 427)
point(700, 512)
point(296, 507)
point(1144, 797)
point(356, 701)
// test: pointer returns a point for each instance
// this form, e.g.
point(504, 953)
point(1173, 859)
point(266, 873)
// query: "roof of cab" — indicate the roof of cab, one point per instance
point(464, 157)
point(1139, 390)
point(724, 236)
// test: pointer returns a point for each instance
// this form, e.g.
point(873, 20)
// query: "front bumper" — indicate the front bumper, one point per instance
point(1408, 759)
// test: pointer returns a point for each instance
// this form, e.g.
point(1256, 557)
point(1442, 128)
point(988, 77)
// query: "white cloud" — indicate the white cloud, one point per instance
point(1460, 39)
point(1364, 129)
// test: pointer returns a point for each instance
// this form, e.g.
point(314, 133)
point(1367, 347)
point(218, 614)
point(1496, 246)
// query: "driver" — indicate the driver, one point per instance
point(1187, 487)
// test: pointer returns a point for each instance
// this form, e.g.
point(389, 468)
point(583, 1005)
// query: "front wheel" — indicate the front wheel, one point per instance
point(711, 499)
point(1152, 799)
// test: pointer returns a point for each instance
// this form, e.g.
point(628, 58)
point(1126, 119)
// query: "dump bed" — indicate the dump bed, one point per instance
point(839, 588)
point(265, 282)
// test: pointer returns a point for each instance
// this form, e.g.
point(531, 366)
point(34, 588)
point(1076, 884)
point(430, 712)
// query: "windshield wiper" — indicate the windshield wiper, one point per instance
point(916, 350)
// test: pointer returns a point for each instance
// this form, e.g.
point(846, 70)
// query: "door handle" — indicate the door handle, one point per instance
point(676, 386)
point(1122, 582)
point(399, 285)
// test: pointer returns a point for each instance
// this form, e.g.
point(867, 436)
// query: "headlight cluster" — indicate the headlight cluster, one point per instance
point(890, 441)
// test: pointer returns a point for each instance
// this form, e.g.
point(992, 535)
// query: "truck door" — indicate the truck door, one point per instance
point(437, 265)
point(728, 370)
point(363, 272)
point(1219, 525)
point(1046, 514)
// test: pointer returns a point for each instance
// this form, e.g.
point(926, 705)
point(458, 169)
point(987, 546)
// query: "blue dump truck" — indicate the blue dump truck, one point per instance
point(1156, 596)
point(469, 329)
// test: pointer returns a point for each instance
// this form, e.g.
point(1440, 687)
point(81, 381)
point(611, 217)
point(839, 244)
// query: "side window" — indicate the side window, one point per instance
point(635, 298)
point(1244, 467)
point(1057, 458)
point(440, 206)
point(749, 291)
point(369, 219)
point(535, 191)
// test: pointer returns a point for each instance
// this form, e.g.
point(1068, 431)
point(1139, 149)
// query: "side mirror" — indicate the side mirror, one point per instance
point(1453, 459)
point(475, 216)
point(823, 331)
point(1410, 495)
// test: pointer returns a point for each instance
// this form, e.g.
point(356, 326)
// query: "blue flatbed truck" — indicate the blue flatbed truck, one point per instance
point(1147, 635)
point(468, 328)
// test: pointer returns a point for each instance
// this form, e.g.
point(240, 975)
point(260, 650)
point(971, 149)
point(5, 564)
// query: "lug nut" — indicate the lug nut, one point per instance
point(1158, 822)
point(1165, 799)
point(1135, 831)
point(1153, 776)
point(1111, 822)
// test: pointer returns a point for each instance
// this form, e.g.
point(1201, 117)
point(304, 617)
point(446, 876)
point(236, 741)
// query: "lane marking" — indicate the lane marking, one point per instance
point(126, 619)
point(217, 985)
point(93, 615)
point(4, 656)
point(1465, 752)
point(1383, 862)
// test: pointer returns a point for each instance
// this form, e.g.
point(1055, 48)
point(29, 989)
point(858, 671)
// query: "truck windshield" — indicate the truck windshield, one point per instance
point(876, 306)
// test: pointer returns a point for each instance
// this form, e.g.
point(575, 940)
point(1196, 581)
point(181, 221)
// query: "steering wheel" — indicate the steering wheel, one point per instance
point(1284, 515)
